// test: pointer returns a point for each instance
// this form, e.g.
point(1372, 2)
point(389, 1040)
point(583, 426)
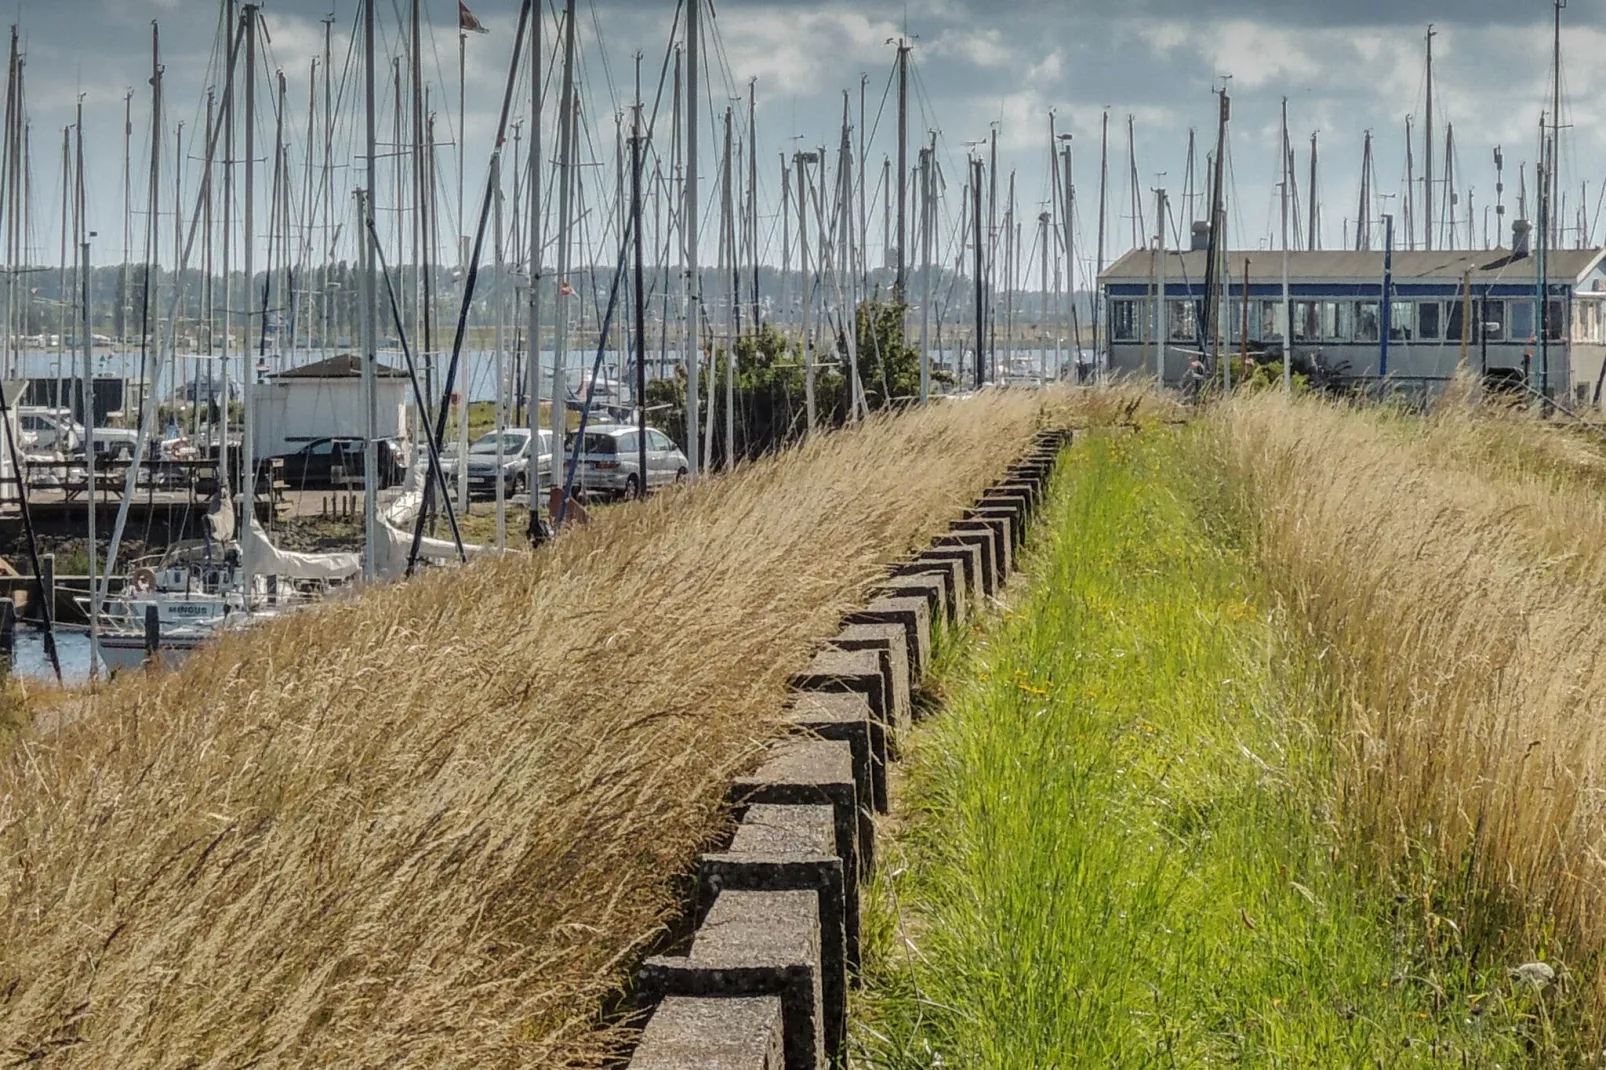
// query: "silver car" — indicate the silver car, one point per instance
point(610, 461)
point(515, 470)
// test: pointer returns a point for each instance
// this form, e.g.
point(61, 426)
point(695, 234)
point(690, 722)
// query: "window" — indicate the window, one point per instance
point(1366, 321)
point(1327, 321)
point(1520, 321)
point(1493, 314)
point(629, 444)
point(1123, 321)
point(322, 449)
point(1584, 321)
point(1271, 320)
point(1427, 321)
point(1402, 321)
point(1556, 319)
point(657, 441)
point(1454, 320)
point(1304, 321)
point(1182, 319)
point(1344, 330)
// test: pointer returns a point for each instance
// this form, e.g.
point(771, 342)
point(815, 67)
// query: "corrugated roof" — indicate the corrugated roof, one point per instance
point(1317, 266)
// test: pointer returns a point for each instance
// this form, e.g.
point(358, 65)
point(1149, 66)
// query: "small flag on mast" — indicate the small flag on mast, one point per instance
point(466, 20)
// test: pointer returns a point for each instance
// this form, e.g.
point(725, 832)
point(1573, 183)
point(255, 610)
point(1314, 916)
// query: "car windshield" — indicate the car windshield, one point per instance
point(485, 445)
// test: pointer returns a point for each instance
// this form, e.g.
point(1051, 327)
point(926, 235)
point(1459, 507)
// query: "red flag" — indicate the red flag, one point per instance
point(466, 20)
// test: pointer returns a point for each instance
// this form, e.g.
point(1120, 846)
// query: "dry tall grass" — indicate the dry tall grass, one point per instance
point(433, 826)
point(1455, 571)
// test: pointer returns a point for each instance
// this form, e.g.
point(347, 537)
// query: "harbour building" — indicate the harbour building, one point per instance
point(1363, 323)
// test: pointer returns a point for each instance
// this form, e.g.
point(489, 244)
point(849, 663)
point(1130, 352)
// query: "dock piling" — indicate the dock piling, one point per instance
point(8, 634)
point(47, 585)
point(153, 634)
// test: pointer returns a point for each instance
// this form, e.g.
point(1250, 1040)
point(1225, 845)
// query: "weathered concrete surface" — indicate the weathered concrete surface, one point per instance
point(1003, 546)
point(887, 642)
point(912, 615)
point(989, 562)
point(1010, 485)
point(951, 571)
point(713, 1033)
point(849, 668)
point(1014, 506)
point(985, 510)
point(789, 849)
point(969, 559)
point(845, 717)
point(756, 944)
point(931, 586)
point(818, 773)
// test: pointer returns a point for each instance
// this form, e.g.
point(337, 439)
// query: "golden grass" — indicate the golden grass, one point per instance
point(1454, 571)
point(434, 826)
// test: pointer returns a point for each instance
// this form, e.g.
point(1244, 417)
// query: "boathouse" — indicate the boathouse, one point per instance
point(1340, 324)
point(325, 400)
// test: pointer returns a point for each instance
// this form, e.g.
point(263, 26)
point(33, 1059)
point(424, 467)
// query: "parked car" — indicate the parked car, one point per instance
point(610, 463)
point(515, 442)
point(314, 464)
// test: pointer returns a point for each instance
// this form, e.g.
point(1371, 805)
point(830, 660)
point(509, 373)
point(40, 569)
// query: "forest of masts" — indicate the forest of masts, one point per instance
point(246, 232)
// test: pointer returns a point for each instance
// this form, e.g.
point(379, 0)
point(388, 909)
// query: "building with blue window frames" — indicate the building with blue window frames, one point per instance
point(1338, 316)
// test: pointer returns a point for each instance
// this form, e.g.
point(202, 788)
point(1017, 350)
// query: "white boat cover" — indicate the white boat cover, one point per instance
point(396, 538)
point(268, 560)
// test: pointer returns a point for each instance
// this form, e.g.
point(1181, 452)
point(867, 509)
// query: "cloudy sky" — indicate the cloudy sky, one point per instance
point(1345, 67)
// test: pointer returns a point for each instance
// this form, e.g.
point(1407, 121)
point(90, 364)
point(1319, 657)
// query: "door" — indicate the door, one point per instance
point(629, 453)
point(663, 457)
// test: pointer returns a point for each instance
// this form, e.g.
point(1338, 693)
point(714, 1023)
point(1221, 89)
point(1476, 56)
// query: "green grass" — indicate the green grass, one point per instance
point(1116, 846)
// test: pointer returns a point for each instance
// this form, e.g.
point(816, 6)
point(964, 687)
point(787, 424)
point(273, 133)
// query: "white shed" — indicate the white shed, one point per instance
point(324, 400)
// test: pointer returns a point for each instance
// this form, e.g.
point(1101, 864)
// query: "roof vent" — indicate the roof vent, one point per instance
point(1521, 229)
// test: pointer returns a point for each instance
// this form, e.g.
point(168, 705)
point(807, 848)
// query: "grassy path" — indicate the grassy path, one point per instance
point(1117, 848)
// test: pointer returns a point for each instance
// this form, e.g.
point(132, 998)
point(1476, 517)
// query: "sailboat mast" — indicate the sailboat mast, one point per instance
point(903, 170)
point(326, 299)
point(1553, 173)
point(370, 306)
point(1288, 308)
point(1410, 188)
point(87, 391)
point(1138, 226)
point(752, 196)
point(1312, 237)
point(1363, 211)
point(532, 371)
point(925, 274)
point(225, 465)
point(1427, 167)
point(694, 285)
point(61, 311)
point(566, 167)
point(124, 295)
point(147, 329)
point(1104, 181)
point(639, 273)
point(248, 477)
point(733, 315)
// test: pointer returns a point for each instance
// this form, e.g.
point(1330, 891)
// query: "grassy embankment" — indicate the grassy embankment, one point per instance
point(1129, 838)
point(433, 826)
